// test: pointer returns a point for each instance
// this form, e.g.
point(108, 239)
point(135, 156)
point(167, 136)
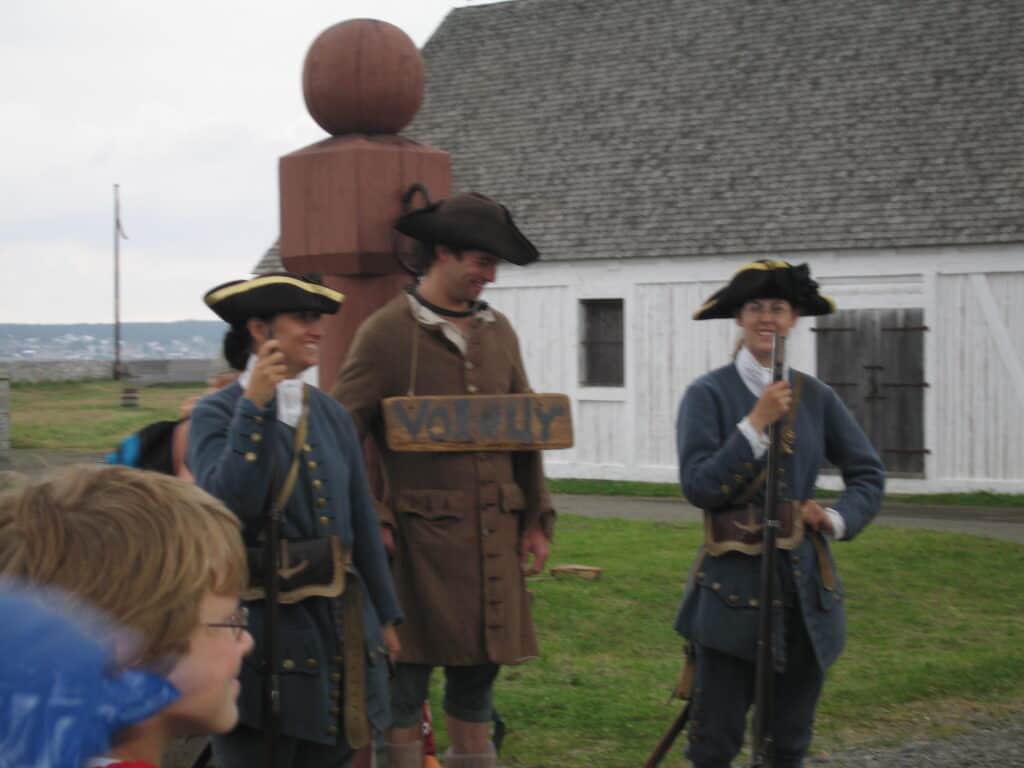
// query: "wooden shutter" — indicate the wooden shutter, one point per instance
point(874, 359)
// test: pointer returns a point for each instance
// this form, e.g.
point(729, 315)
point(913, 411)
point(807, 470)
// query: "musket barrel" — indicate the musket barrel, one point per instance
point(764, 681)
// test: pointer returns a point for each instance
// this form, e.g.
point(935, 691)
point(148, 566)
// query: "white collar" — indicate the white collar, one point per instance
point(754, 375)
point(289, 394)
point(449, 329)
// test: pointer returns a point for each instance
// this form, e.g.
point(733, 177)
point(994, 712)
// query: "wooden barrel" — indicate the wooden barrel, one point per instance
point(130, 397)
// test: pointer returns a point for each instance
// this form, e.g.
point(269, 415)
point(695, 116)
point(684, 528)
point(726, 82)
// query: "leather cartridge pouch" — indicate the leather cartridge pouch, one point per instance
point(309, 568)
point(739, 529)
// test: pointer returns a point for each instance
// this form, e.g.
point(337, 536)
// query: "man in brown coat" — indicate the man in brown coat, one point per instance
point(461, 526)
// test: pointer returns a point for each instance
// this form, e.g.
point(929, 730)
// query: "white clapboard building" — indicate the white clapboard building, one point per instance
point(651, 147)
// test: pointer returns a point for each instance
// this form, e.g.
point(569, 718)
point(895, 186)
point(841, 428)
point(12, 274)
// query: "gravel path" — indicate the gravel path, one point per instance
point(993, 745)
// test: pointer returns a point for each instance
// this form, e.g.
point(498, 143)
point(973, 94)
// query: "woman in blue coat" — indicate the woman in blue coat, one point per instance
point(242, 443)
point(722, 441)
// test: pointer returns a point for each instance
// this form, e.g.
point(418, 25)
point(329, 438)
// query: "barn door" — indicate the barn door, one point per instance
point(874, 359)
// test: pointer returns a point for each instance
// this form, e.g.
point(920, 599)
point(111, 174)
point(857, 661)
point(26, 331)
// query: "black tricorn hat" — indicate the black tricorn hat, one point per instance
point(767, 279)
point(271, 294)
point(470, 222)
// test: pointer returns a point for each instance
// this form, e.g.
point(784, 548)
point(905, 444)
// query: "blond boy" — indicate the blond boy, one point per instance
point(157, 556)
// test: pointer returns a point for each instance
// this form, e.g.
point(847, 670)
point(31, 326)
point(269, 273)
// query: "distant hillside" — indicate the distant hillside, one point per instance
point(95, 341)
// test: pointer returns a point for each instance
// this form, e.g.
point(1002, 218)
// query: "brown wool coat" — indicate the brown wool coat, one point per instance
point(457, 517)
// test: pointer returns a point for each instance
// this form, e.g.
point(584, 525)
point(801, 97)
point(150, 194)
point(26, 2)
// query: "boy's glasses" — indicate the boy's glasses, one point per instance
point(238, 621)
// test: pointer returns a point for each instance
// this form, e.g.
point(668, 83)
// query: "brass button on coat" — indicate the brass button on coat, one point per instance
point(311, 464)
point(324, 519)
point(256, 437)
point(250, 456)
point(317, 484)
point(288, 664)
point(471, 389)
point(312, 663)
point(724, 488)
point(321, 502)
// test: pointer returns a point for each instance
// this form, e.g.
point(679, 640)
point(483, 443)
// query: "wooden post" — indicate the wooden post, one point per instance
point(363, 82)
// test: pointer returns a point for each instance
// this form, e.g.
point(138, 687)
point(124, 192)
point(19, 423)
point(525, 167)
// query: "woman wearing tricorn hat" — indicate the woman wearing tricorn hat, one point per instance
point(269, 435)
point(462, 525)
point(722, 442)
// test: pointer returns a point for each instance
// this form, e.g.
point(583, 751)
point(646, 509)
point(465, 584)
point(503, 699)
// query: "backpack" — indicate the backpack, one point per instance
point(149, 448)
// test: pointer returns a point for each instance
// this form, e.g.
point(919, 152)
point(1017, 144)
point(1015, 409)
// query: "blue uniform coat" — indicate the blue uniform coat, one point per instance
point(716, 465)
point(232, 447)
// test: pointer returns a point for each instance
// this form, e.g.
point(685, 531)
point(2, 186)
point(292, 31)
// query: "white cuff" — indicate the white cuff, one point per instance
point(838, 524)
point(758, 440)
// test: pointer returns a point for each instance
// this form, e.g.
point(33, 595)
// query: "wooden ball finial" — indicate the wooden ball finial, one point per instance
point(363, 76)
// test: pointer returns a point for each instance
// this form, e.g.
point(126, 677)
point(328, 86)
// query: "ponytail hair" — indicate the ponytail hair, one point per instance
point(237, 346)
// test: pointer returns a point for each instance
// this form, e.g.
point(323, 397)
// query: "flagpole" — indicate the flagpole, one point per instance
point(117, 285)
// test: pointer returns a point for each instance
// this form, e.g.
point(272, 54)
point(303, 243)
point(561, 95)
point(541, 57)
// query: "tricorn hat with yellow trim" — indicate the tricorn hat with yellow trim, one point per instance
point(271, 294)
point(767, 279)
point(470, 222)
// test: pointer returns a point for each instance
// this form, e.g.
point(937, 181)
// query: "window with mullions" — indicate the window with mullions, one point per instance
point(602, 343)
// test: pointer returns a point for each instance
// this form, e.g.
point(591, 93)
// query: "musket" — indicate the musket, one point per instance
point(271, 583)
point(763, 746)
point(668, 738)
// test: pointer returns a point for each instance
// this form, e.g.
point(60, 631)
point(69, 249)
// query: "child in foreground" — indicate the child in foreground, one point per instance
point(156, 556)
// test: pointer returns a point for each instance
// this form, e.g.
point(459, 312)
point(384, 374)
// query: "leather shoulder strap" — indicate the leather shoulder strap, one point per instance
point(301, 431)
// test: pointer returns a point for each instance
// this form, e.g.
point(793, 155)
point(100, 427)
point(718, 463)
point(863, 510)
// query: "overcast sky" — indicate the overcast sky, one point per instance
point(187, 105)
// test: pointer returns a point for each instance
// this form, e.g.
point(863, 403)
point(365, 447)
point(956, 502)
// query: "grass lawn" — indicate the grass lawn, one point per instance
point(671, 490)
point(936, 638)
point(87, 415)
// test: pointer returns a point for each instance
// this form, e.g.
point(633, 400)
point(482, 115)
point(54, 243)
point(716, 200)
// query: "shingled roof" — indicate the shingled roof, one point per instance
point(651, 128)
point(271, 261)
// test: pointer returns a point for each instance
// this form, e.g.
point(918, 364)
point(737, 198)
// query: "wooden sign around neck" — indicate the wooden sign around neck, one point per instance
point(525, 422)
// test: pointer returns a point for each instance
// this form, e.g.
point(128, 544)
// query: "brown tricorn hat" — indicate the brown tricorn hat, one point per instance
point(470, 222)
